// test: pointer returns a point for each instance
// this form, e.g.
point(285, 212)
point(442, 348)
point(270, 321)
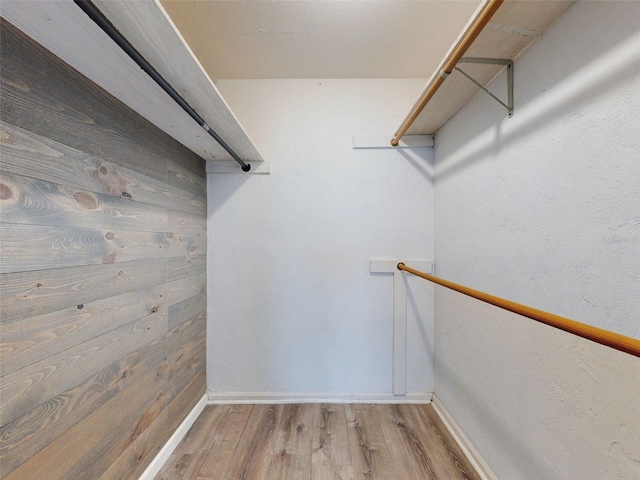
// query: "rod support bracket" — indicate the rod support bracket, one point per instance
point(493, 61)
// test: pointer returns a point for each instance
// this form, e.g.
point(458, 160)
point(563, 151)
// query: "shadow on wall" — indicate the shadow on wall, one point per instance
point(618, 63)
point(225, 186)
point(412, 306)
point(520, 453)
point(592, 410)
point(535, 401)
point(422, 166)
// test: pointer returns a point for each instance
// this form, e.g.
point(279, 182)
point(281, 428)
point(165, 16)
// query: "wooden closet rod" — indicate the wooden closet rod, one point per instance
point(446, 66)
point(598, 335)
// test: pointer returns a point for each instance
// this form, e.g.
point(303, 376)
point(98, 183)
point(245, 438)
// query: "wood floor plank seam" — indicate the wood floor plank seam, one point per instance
point(383, 442)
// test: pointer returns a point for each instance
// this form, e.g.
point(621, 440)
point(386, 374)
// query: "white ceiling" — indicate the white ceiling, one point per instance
point(242, 39)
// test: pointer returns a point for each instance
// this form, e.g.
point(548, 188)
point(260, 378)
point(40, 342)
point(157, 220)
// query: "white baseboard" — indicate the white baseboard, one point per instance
point(292, 397)
point(163, 455)
point(461, 439)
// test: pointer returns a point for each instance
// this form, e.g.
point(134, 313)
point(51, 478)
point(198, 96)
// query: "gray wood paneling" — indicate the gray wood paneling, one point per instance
point(102, 275)
point(35, 338)
point(45, 96)
point(22, 153)
point(34, 384)
point(36, 292)
point(42, 247)
point(182, 267)
point(27, 435)
point(31, 201)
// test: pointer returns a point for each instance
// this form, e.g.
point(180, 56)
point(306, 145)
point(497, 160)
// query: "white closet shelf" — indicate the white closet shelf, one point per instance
point(514, 26)
point(64, 29)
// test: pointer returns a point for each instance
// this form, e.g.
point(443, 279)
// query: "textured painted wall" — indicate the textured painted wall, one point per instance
point(544, 209)
point(309, 317)
point(536, 403)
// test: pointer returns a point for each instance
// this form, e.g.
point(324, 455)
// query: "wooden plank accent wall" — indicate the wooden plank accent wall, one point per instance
point(102, 275)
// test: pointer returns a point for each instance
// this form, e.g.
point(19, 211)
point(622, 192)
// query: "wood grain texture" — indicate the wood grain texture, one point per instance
point(369, 451)
point(187, 309)
point(183, 267)
point(145, 437)
point(334, 472)
point(459, 467)
point(102, 284)
point(185, 179)
point(31, 155)
point(68, 32)
point(26, 294)
point(30, 386)
point(68, 455)
point(215, 457)
point(31, 201)
point(45, 96)
point(293, 449)
point(38, 247)
point(211, 420)
point(402, 438)
point(413, 426)
point(29, 340)
point(254, 452)
point(330, 439)
point(28, 434)
point(385, 442)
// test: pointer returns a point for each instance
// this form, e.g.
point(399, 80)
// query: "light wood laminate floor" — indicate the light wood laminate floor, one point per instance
point(318, 442)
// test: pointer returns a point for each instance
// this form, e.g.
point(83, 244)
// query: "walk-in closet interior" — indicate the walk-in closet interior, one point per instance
point(320, 240)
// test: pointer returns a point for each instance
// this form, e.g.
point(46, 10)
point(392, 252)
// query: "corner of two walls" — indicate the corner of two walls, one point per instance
point(543, 209)
point(294, 310)
point(103, 228)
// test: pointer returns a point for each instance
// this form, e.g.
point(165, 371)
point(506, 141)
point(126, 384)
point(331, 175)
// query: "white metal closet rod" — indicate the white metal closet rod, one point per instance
point(107, 27)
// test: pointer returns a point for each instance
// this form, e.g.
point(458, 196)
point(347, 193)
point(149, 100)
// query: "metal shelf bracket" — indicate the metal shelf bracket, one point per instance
point(493, 61)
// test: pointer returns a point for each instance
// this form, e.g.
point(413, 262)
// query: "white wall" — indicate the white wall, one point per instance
point(544, 209)
point(293, 308)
